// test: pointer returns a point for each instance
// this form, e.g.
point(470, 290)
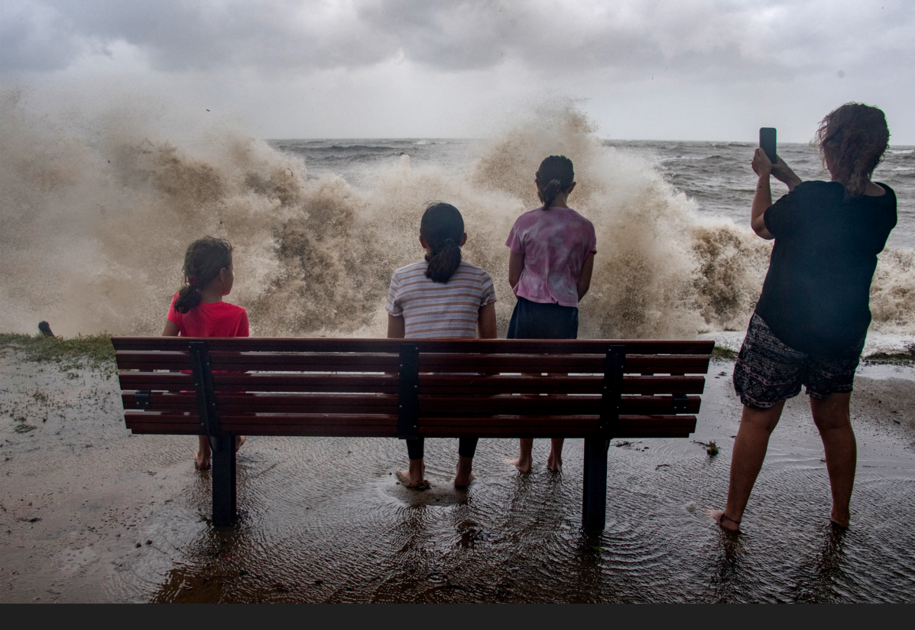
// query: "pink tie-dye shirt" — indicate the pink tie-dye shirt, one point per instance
point(555, 244)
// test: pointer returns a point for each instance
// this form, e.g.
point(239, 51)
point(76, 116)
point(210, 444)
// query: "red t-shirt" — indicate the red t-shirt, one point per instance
point(217, 319)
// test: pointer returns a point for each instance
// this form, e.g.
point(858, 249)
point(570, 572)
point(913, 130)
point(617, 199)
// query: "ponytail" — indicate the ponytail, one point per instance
point(549, 192)
point(442, 227)
point(188, 297)
point(204, 259)
point(444, 262)
point(554, 176)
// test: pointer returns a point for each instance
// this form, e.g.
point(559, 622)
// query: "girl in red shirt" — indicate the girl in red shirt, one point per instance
point(197, 310)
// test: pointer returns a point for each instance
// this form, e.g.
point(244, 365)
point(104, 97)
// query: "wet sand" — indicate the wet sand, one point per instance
point(91, 513)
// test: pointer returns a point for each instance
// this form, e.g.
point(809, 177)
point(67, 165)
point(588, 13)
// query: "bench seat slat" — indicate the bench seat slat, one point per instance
point(531, 346)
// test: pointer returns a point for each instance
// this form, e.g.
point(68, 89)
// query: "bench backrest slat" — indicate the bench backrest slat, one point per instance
point(392, 346)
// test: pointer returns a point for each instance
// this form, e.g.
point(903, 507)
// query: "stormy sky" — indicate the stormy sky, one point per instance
point(654, 69)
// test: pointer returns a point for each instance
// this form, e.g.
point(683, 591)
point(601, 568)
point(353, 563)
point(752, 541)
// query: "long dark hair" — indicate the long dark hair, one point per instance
point(442, 228)
point(854, 137)
point(204, 259)
point(554, 176)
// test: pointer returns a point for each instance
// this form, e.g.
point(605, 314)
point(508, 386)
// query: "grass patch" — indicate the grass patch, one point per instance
point(723, 353)
point(93, 350)
point(906, 357)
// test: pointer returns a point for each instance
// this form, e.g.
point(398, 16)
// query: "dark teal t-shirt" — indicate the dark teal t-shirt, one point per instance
point(816, 297)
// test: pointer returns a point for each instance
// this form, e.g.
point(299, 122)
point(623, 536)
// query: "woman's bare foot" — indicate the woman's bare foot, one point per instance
point(724, 521)
point(523, 465)
point(201, 461)
point(239, 440)
point(464, 476)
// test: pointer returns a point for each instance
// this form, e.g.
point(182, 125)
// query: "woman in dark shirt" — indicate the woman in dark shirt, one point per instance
point(812, 317)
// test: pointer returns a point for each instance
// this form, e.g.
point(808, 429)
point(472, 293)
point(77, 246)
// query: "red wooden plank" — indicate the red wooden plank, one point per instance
point(547, 405)
point(529, 346)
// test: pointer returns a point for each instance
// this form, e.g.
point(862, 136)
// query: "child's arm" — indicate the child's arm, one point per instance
point(584, 278)
point(396, 327)
point(515, 267)
point(171, 329)
point(486, 324)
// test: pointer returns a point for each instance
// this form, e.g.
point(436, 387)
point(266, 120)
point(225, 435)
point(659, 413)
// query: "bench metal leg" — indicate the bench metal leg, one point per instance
point(594, 502)
point(223, 479)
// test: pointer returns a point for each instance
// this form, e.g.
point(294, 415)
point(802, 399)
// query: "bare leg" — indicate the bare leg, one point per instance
point(239, 440)
point(464, 475)
point(554, 461)
point(832, 418)
point(414, 477)
point(756, 425)
point(203, 455)
point(525, 459)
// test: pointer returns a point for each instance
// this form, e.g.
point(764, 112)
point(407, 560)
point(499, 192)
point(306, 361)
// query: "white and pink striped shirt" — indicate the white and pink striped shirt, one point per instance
point(434, 309)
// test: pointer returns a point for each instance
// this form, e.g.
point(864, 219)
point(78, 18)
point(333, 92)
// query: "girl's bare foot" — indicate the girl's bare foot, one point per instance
point(415, 476)
point(525, 455)
point(410, 482)
point(201, 461)
point(464, 475)
point(239, 440)
point(840, 523)
point(724, 521)
point(554, 461)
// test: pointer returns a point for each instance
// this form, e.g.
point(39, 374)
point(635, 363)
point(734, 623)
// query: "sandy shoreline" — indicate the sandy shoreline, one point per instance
point(91, 513)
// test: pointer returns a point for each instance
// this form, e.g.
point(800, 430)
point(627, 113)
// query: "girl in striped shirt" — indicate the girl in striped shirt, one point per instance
point(440, 297)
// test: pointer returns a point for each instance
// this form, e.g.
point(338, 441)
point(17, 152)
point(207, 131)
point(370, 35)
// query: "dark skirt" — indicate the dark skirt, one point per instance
point(532, 320)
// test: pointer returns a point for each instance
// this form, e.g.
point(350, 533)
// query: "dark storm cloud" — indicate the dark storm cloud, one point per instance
point(710, 39)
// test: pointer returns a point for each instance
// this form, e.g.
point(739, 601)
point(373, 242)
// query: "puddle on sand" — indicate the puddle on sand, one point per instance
point(323, 520)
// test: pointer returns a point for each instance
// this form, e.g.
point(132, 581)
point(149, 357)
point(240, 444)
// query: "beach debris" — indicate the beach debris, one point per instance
point(710, 447)
point(45, 328)
point(660, 466)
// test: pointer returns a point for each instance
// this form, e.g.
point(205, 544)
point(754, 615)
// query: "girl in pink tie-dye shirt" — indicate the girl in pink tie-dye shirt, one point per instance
point(549, 269)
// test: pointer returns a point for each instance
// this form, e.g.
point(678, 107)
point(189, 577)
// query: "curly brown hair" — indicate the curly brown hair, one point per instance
point(852, 140)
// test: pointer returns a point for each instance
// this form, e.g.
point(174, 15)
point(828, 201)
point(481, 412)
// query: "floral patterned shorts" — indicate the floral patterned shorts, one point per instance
point(768, 371)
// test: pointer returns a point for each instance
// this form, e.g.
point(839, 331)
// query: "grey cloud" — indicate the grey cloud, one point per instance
point(29, 39)
point(708, 39)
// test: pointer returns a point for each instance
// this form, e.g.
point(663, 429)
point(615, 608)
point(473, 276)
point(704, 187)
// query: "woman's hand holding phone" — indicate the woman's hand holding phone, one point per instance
point(781, 171)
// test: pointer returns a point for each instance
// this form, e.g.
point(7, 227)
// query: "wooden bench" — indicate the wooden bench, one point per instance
point(395, 388)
